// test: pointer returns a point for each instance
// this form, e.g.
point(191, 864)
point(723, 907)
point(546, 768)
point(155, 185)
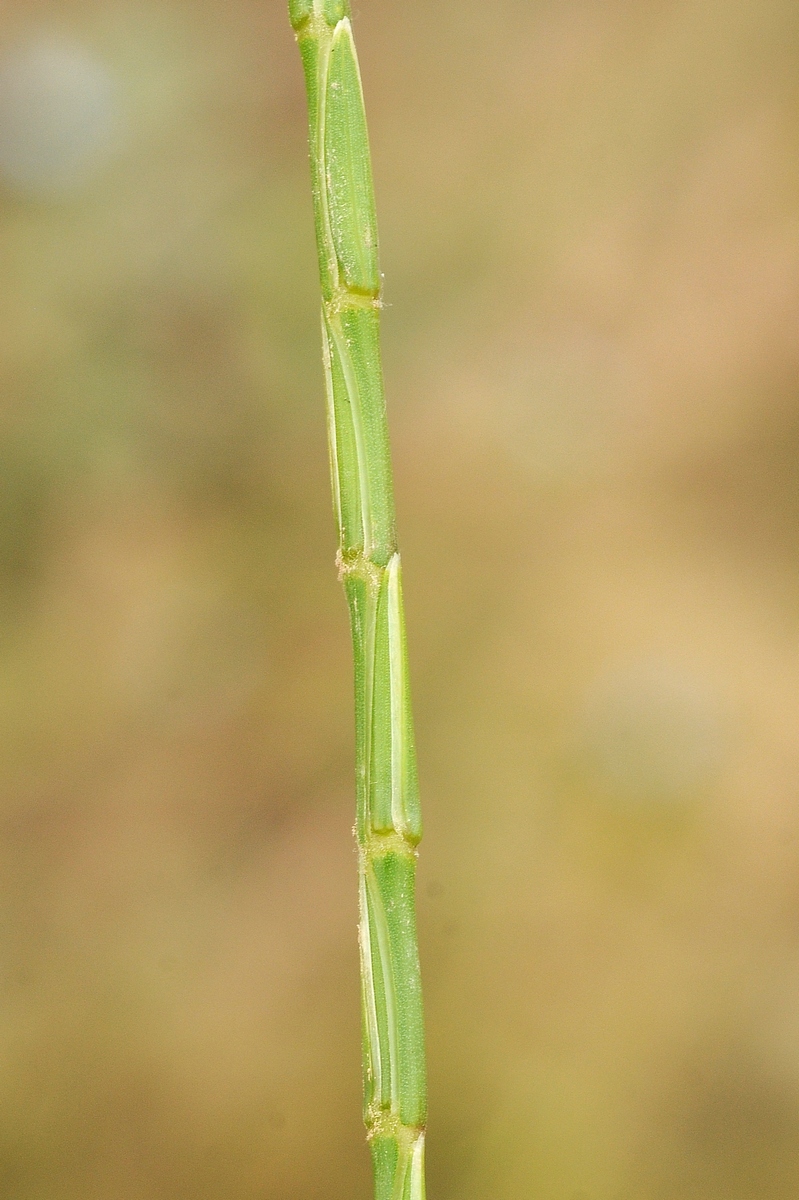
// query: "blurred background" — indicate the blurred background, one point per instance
point(590, 237)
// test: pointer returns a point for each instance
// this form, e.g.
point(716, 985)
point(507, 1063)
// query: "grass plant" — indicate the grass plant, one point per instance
point(388, 824)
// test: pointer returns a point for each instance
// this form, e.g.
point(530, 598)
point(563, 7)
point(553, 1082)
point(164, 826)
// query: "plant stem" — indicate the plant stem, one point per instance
point(388, 825)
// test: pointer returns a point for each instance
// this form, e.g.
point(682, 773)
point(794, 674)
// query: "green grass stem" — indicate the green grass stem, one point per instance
point(388, 825)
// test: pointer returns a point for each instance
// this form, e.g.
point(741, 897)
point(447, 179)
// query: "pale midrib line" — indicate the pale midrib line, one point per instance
point(417, 1170)
point(398, 1191)
point(325, 46)
point(373, 1031)
point(396, 694)
point(383, 949)
point(332, 261)
point(331, 424)
point(369, 652)
point(411, 1163)
point(357, 426)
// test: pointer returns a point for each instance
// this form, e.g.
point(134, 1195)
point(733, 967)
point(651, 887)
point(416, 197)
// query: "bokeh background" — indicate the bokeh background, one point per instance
point(590, 237)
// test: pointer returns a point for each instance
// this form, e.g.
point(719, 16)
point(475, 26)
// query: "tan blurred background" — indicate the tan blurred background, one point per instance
point(590, 236)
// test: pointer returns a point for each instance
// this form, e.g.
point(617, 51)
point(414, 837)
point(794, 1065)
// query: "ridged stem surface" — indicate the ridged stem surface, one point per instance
point(388, 824)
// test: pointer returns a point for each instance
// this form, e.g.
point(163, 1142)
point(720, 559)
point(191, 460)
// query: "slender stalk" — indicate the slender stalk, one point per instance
point(388, 825)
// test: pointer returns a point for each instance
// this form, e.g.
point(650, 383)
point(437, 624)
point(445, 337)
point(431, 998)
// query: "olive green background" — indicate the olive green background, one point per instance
point(589, 221)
